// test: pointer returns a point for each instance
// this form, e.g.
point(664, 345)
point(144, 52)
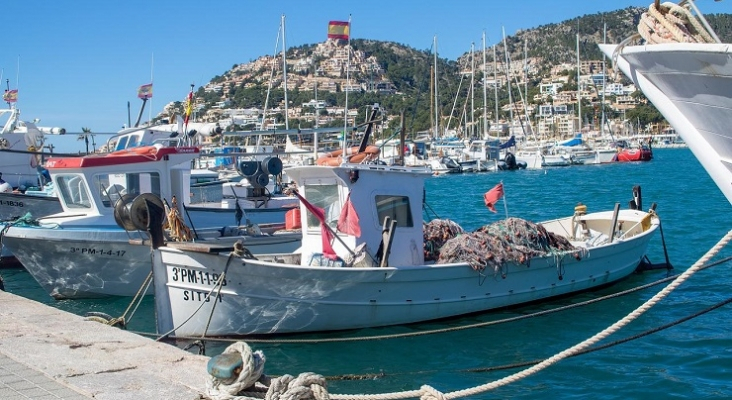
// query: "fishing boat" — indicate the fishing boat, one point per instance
point(82, 251)
point(363, 263)
point(689, 80)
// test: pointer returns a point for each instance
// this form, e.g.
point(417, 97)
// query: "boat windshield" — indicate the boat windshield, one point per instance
point(111, 187)
point(325, 197)
point(73, 191)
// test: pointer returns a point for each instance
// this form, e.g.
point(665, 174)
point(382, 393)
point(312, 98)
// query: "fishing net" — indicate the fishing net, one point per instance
point(512, 240)
point(436, 233)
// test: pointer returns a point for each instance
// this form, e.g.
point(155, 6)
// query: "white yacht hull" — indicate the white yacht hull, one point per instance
point(691, 85)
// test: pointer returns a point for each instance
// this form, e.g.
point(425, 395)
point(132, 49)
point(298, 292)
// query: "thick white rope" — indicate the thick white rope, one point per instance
point(671, 23)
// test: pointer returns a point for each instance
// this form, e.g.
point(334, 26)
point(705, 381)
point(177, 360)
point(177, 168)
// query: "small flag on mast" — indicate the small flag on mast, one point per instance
point(492, 196)
point(339, 30)
point(11, 96)
point(145, 91)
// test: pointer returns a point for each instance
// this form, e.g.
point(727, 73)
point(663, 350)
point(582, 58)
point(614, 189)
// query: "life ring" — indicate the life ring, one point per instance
point(334, 159)
point(142, 150)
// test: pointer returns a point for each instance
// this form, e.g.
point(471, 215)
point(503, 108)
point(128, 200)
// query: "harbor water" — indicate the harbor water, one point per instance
point(692, 359)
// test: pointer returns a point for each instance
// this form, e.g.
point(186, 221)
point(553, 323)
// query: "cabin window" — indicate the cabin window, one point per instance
point(121, 144)
point(111, 187)
point(395, 207)
point(133, 141)
point(325, 197)
point(73, 191)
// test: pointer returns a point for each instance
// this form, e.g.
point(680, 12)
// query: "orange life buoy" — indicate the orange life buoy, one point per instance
point(334, 158)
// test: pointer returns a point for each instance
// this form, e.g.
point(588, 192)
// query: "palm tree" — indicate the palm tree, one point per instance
point(86, 132)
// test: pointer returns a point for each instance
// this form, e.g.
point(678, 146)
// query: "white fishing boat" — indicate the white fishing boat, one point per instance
point(689, 80)
point(376, 272)
point(82, 252)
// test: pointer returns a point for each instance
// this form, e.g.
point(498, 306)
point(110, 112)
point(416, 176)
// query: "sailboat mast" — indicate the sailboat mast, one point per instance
point(437, 109)
point(485, 95)
point(284, 72)
point(495, 82)
point(472, 89)
point(348, 88)
point(508, 78)
point(604, 81)
point(526, 73)
point(579, 88)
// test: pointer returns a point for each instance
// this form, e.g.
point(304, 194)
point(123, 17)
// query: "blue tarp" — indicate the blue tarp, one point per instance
point(509, 143)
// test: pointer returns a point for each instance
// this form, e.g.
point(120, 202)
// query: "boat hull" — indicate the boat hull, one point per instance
point(261, 297)
point(690, 84)
point(15, 205)
point(102, 261)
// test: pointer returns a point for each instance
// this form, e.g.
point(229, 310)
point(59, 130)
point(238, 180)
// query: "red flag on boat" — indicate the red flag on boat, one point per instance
point(11, 96)
point(145, 91)
point(339, 30)
point(492, 196)
point(348, 221)
point(325, 233)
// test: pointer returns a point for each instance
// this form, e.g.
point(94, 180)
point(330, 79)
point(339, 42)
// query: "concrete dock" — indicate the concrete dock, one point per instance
point(46, 353)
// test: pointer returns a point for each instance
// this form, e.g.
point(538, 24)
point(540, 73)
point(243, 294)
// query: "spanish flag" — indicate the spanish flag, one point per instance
point(11, 96)
point(339, 30)
point(145, 91)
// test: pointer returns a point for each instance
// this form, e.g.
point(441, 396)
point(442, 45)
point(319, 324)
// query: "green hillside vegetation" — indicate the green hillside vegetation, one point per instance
point(410, 71)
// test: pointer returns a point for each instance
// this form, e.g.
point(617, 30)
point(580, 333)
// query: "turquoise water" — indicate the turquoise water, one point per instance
point(689, 360)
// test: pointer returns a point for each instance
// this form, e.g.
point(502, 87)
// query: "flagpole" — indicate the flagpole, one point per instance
point(284, 72)
point(505, 205)
point(348, 84)
point(152, 63)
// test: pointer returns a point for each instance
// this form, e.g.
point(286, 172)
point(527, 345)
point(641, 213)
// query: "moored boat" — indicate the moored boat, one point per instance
point(376, 272)
point(82, 252)
point(694, 98)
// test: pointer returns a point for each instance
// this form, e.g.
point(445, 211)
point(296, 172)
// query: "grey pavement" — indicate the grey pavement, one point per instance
point(46, 353)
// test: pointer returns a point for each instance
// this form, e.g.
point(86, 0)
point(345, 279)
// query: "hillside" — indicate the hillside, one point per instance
point(400, 77)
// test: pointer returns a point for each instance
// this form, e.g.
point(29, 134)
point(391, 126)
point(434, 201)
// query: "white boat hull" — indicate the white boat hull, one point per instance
point(15, 205)
point(261, 297)
point(691, 85)
point(100, 261)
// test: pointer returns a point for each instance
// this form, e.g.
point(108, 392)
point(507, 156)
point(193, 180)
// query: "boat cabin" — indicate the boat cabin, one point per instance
point(91, 185)
point(375, 192)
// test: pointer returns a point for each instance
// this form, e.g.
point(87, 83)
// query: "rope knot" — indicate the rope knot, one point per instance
point(430, 393)
point(307, 386)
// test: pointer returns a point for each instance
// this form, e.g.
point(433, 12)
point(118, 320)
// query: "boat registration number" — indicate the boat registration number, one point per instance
point(186, 275)
point(93, 251)
point(11, 203)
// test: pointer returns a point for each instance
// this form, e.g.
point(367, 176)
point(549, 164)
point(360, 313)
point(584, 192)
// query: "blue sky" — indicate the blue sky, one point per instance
point(78, 63)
